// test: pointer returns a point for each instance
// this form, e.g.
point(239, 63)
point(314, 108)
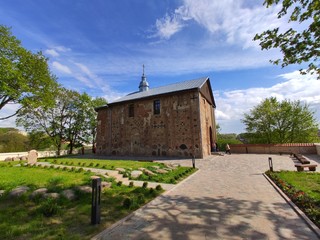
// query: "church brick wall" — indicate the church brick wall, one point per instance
point(177, 131)
point(207, 123)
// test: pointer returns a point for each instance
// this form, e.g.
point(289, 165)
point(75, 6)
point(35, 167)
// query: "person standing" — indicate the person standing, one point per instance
point(228, 150)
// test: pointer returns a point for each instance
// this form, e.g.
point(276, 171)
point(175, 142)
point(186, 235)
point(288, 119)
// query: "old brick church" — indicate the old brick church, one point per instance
point(175, 120)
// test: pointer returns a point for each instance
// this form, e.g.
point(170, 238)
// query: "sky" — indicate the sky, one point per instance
point(99, 47)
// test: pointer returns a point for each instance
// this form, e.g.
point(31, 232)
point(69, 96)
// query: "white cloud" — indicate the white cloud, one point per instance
point(55, 51)
point(231, 105)
point(61, 68)
point(84, 69)
point(52, 52)
point(233, 21)
point(8, 110)
point(168, 26)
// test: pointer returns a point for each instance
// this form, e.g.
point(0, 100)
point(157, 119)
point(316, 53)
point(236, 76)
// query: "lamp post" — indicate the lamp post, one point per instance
point(193, 161)
point(270, 164)
point(95, 201)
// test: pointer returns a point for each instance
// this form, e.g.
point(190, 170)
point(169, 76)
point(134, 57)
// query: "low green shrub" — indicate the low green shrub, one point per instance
point(49, 207)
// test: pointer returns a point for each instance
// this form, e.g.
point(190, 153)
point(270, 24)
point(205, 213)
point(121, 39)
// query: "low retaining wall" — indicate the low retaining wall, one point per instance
point(302, 148)
point(3, 156)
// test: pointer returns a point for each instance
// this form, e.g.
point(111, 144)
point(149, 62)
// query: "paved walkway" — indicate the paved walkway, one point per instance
point(228, 198)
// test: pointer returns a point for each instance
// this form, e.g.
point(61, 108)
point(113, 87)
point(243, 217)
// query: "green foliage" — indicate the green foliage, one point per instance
point(25, 76)
point(13, 141)
point(302, 189)
point(71, 119)
point(297, 46)
point(281, 122)
point(224, 139)
point(49, 207)
point(39, 140)
point(35, 177)
point(107, 164)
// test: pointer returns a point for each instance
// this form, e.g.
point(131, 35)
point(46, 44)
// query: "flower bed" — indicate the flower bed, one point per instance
point(306, 200)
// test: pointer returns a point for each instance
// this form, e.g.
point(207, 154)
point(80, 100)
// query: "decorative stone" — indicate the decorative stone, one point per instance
point(8, 159)
point(85, 189)
point(156, 167)
point(51, 195)
point(2, 192)
point(120, 170)
point(40, 191)
point(162, 171)
point(32, 157)
point(23, 158)
point(69, 194)
point(18, 191)
point(105, 184)
point(15, 159)
point(171, 166)
point(142, 169)
point(136, 173)
point(148, 172)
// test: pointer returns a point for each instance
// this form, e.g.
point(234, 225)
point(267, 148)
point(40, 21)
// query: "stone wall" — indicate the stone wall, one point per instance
point(303, 148)
point(207, 123)
point(41, 154)
point(176, 131)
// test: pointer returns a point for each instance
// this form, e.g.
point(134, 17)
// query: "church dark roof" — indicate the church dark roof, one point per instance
point(176, 87)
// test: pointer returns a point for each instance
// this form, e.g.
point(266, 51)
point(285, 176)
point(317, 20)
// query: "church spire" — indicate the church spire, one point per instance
point(144, 85)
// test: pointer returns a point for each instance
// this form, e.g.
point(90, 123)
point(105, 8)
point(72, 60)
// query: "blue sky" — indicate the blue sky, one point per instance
point(99, 47)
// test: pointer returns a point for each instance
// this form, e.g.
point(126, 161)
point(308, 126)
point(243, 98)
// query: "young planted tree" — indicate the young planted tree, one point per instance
point(25, 78)
point(299, 45)
point(281, 122)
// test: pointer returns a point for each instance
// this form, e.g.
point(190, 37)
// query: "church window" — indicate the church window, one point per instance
point(131, 110)
point(156, 106)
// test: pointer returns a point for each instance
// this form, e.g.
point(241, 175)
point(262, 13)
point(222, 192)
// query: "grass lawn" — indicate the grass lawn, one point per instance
point(105, 164)
point(174, 176)
point(303, 188)
point(40, 218)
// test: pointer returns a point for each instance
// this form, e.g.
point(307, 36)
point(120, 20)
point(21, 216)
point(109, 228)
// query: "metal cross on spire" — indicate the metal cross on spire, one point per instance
point(142, 69)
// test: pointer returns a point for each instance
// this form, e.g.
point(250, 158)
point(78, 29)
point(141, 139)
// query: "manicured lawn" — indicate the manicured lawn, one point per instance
point(303, 188)
point(173, 176)
point(105, 164)
point(46, 218)
point(34, 177)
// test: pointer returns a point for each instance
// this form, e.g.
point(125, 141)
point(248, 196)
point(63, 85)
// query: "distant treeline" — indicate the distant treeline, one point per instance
point(12, 140)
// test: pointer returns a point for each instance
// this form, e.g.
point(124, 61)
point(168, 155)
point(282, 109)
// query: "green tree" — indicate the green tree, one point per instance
point(297, 46)
point(13, 141)
point(24, 76)
point(281, 122)
point(76, 128)
point(39, 140)
point(72, 119)
point(50, 120)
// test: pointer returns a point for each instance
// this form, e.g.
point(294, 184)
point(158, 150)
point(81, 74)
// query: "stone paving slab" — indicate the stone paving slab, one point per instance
point(228, 198)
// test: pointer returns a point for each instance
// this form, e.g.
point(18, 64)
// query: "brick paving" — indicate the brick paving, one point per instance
point(228, 198)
